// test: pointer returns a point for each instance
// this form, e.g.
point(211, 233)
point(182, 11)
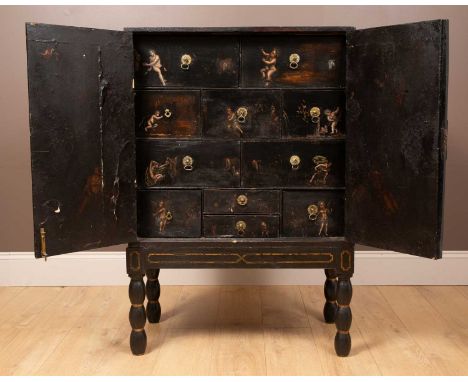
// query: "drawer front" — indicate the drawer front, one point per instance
point(241, 201)
point(293, 61)
point(313, 213)
point(241, 113)
point(188, 163)
point(309, 113)
point(240, 226)
point(208, 61)
point(169, 213)
point(167, 113)
point(293, 164)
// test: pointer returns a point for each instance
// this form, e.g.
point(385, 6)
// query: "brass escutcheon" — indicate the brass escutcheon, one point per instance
point(294, 59)
point(241, 114)
point(315, 114)
point(240, 227)
point(167, 113)
point(295, 161)
point(312, 210)
point(242, 200)
point(187, 162)
point(185, 61)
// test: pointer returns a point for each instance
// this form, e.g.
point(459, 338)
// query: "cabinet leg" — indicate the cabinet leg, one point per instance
point(153, 291)
point(137, 315)
point(329, 289)
point(343, 316)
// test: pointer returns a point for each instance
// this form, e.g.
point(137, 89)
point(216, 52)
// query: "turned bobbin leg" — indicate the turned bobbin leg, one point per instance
point(137, 315)
point(329, 289)
point(153, 291)
point(343, 316)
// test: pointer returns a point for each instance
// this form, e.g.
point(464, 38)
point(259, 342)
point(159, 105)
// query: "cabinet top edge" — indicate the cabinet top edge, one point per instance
point(243, 30)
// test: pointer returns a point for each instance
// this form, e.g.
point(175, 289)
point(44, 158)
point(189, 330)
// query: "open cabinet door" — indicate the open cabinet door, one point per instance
point(82, 137)
point(396, 136)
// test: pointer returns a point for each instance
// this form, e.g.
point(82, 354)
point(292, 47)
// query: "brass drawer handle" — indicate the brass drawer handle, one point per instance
point(315, 114)
point(240, 227)
point(242, 200)
point(187, 162)
point(167, 113)
point(312, 211)
point(242, 114)
point(185, 62)
point(294, 59)
point(295, 161)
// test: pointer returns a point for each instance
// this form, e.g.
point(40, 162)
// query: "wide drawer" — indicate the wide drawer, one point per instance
point(293, 164)
point(241, 201)
point(240, 226)
point(242, 113)
point(293, 61)
point(169, 213)
point(167, 113)
point(309, 113)
point(188, 163)
point(197, 61)
point(313, 213)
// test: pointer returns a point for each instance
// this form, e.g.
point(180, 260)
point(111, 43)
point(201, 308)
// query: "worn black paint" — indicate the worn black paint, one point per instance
point(81, 121)
point(397, 83)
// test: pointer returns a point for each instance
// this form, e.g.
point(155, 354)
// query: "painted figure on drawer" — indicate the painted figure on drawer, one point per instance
point(155, 65)
point(162, 215)
point(269, 59)
point(333, 118)
point(92, 191)
point(320, 214)
point(321, 170)
point(264, 229)
point(232, 122)
point(157, 172)
point(152, 122)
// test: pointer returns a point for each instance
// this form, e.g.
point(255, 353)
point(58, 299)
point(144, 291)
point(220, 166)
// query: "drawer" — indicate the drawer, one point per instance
point(293, 61)
point(241, 113)
point(313, 213)
point(198, 61)
point(241, 201)
point(240, 226)
point(187, 163)
point(309, 113)
point(293, 164)
point(169, 213)
point(167, 113)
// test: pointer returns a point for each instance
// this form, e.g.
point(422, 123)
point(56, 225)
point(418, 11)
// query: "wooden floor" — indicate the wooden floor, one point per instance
point(275, 330)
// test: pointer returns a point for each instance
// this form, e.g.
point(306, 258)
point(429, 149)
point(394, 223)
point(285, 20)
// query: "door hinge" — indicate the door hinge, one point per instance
point(43, 244)
point(133, 83)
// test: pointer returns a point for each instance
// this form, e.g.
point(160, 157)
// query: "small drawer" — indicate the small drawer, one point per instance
point(319, 113)
point(167, 113)
point(189, 60)
point(241, 113)
point(314, 164)
point(240, 201)
point(240, 226)
point(293, 61)
point(169, 213)
point(187, 163)
point(313, 213)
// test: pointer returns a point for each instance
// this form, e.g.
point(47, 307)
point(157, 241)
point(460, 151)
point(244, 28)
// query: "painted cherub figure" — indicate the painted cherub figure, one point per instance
point(155, 65)
point(161, 215)
point(322, 218)
point(321, 170)
point(232, 123)
point(269, 59)
point(333, 117)
point(152, 122)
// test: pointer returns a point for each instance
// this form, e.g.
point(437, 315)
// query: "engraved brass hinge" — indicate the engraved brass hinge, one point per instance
point(133, 83)
point(43, 244)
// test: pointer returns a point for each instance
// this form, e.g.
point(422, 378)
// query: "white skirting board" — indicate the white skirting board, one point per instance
point(108, 268)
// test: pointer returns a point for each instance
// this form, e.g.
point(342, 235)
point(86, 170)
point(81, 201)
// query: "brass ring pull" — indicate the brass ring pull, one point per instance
point(315, 114)
point(240, 227)
point(294, 59)
point(168, 216)
point(242, 200)
point(312, 211)
point(167, 113)
point(242, 114)
point(187, 162)
point(295, 161)
point(185, 62)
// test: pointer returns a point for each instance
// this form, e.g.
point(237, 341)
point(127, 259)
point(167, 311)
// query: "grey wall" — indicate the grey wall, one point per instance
point(15, 189)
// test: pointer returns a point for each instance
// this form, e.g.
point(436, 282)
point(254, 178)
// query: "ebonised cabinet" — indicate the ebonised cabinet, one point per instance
point(238, 148)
